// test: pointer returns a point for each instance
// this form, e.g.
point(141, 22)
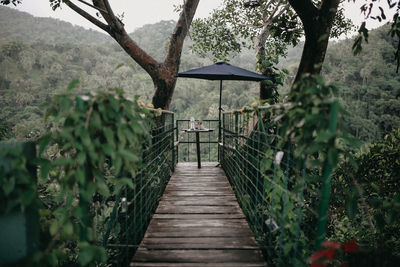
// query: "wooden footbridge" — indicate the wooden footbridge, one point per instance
point(174, 213)
point(198, 223)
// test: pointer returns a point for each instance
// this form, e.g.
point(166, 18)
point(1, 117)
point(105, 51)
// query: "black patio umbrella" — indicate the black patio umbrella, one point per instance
point(222, 71)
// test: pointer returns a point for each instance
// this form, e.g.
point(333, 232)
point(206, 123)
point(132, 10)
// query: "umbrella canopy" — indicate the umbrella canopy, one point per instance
point(223, 71)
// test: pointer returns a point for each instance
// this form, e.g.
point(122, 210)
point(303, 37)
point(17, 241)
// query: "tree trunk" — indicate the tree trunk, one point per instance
point(317, 24)
point(163, 91)
point(163, 74)
point(267, 91)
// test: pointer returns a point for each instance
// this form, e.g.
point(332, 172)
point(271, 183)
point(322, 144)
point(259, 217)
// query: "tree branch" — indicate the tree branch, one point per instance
point(250, 26)
point(118, 32)
point(109, 15)
point(272, 14)
point(87, 16)
point(306, 10)
point(286, 7)
point(180, 32)
point(92, 6)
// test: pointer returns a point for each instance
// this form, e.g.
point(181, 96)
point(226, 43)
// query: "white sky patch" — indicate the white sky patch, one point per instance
point(353, 12)
point(138, 12)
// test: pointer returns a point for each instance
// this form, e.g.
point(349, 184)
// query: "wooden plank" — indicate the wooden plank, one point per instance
point(229, 223)
point(197, 209)
point(223, 244)
point(199, 193)
point(193, 264)
point(200, 242)
point(221, 199)
point(203, 183)
point(198, 256)
point(198, 202)
point(200, 183)
point(194, 188)
point(198, 232)
point(197, 177)
point(167, 216)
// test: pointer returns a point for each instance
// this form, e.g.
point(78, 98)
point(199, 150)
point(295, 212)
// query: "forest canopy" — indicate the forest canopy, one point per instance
point(33, 69)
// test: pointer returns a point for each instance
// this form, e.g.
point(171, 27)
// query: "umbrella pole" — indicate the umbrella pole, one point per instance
point(219, 115)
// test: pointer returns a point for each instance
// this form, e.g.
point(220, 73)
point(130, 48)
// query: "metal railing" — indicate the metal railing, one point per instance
point(271, 188)
point(129, 213)
point(186, 152)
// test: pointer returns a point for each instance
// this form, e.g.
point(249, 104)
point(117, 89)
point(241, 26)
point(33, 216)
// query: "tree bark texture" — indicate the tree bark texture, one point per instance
point(267, 91)
point(317, 23)
point(164, 73)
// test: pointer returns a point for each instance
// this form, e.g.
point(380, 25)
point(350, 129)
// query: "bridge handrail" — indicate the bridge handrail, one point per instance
point(133, 208)
point(272, 189)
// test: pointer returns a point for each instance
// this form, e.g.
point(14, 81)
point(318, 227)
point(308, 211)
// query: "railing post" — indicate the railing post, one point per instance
point(326, 180)
point(172, 143)
point(177, 139)
point(222, 155)
point(236, 130)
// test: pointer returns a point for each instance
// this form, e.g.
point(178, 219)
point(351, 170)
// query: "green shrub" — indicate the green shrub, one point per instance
point(366, 201)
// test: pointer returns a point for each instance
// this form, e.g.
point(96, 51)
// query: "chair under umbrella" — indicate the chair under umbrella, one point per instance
point(222, 71)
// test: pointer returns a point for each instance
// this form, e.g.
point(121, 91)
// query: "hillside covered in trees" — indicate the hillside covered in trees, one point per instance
point(38, 62)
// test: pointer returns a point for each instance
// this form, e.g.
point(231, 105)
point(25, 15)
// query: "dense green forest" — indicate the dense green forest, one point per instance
point(39, 61)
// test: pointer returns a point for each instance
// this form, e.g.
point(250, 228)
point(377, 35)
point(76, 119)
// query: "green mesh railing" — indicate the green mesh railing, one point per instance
point(281, 207)
point(187, 142)
point(124, 218)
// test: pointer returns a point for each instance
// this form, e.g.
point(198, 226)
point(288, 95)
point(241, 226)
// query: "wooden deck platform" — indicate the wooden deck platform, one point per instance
point(198, 223)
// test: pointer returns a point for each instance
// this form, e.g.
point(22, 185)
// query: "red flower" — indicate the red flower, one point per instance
point(344, 264)
point(326, 253)
point(331, 245)
point(317, 265)
point(351, 246)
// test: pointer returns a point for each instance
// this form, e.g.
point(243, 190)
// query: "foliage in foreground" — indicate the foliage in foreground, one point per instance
point(366, 203)
point(18, 188)
point(298, 143)
point(93, 150)
point(307, 124)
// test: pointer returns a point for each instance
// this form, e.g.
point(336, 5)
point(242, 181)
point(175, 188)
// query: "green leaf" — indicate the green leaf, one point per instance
point(324, 137)
point(265, 164)
point(43, 142)
point(120, 183)
point(103, 189)
point(66, 103)
point(108, 150)
point(126, 154)
point(351, 207)
point(72, 85)
point(109, 134)
point(45, 167)
point(119, 66)
point(117, 165)
point(68, 228)
point(81, 158)
point(80, 176)
point(63, 161)
point(53, 228)
point(86, 254)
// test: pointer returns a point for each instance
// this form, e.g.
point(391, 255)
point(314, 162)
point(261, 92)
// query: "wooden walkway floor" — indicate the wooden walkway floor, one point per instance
point(198, 223)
